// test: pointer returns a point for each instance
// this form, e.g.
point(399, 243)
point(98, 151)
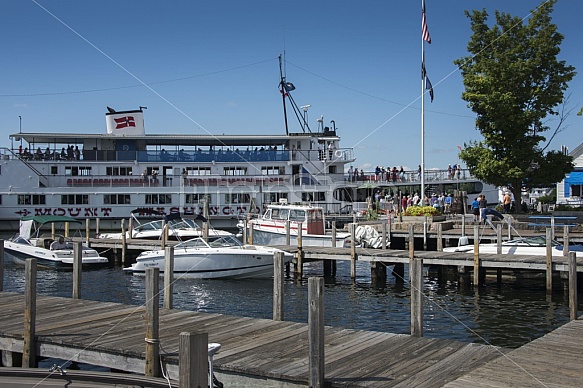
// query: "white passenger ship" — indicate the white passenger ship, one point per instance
point(107, 175)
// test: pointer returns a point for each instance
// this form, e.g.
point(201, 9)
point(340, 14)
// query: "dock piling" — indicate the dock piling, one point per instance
point(193, 350)
point(549, 262)
point(168, 276)
point(29, 346)
point(573, 285)
point(77, 269)
point(278, 286)
point(316, 331)
point(152, 315)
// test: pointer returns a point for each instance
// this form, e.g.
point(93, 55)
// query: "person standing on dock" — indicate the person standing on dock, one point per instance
point(476, 209)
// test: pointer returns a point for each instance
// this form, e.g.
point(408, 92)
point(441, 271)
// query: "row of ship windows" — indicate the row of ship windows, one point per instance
point(127, 171)
point(156, 199)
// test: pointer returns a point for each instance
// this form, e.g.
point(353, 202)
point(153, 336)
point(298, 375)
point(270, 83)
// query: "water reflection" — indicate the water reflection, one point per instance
point(506, 315)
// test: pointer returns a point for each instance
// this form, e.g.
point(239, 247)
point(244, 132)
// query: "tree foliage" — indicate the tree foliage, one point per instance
point(514, 82)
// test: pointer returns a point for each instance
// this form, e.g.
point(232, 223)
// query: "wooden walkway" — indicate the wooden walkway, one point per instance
point(395, 256)
point(112, 335)
point(553, 360)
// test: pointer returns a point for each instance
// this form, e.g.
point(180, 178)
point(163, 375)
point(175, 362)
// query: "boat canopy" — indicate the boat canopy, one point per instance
point(31, 224)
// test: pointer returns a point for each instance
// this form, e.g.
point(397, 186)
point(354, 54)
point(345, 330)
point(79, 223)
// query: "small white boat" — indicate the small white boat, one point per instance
point(29, 243)
point(533, 246)
point(220, 257)
point(181, 226)
point(270, 228)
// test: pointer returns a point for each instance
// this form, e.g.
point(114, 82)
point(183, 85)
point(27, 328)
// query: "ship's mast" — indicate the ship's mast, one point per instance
point(283, 93)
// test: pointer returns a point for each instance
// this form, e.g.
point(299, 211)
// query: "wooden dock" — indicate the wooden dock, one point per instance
point(112, 335)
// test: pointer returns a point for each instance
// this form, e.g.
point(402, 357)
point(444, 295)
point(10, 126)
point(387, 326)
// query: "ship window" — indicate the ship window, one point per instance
point(197, 198)
point(272, 170)
point(237, 198)
point(72, 199)
point(297, 215)
point(198, 170)
point(576, 190)
point(76, 170)
point(155, 199)
point(319, 196)
point(234, 171)
point(273, 197)
point(113, 171)
point(116, 199)
point(54, 170)
point(28, 199)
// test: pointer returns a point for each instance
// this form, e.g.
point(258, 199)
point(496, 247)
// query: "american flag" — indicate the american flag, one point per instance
point(424, 29)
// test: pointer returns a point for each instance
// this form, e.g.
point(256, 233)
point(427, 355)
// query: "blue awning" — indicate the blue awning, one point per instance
point(574, 178)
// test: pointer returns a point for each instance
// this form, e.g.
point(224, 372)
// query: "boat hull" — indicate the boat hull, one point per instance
point(240, 263)
point(19, 253)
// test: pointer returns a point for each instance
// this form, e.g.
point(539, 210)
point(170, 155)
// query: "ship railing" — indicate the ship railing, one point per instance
point(340, 155)
point(411, 176)
point(189, 182)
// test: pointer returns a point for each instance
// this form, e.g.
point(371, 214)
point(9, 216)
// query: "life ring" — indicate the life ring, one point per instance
point(338, 153)
point(126, 147)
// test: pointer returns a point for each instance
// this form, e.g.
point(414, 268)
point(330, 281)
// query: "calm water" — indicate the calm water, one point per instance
point(507, 316)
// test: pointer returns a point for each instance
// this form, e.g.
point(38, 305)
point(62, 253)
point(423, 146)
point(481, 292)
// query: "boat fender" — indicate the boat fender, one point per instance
point(338, 153)
point(463, 241)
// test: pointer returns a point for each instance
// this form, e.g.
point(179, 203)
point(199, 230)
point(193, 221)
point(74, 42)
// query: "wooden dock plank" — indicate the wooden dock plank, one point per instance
point(550, 361)
point(276, 349)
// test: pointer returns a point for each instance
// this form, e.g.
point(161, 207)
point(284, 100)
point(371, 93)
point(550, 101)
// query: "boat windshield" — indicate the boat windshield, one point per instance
point(534, 241)
point(21, 240)
point(225, 241)
point(213, 242)
point(183, 224)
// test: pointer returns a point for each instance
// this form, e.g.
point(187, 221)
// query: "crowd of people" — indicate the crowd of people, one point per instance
point(442, 202)
point(71, 153)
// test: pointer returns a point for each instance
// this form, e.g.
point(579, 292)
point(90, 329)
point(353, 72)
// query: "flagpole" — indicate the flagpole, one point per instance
point(424, 75)
point(423, 111)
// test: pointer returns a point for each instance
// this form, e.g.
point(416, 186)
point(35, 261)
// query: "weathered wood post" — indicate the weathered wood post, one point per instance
point(334, 234)
point(278, 286)
point(499, 239)
point(287, 232)
point(1, 265)
point(463, 225)
point(164, 235)
point(168, 276)
point(205, 231)
point(29, 346)
point(193, 364)
point(476, 255)
point(123, 242)
point(316, 331)
point(299, 269)
point(77, 269)
point(573, 285)
point(87, 229)
point(245, 233)
point(411, 248)
point(416, 277)
point(353, 254)
point(566, 240)
point(439, 237)
point(66, 229)
point(152, 368)
point(549, 260)
point(384, 234)
point(425, 227)
point(97, 227)
point(499, 251)
point(53, 231)
point(250, 242)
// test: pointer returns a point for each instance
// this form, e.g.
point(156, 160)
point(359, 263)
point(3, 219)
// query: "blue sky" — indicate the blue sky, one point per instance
point(211, 67)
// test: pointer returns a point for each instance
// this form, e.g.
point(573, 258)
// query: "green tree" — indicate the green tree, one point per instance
point(514, 83)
